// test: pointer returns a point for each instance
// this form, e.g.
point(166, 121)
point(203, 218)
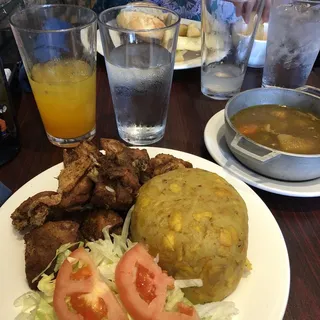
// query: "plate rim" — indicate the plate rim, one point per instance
point(217, 122)
point(286, 272)
point(189, 64)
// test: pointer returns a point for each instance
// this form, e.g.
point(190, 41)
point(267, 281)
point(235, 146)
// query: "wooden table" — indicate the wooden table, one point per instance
point(299, 218)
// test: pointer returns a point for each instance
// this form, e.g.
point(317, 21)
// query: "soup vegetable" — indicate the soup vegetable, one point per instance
point(280, 127)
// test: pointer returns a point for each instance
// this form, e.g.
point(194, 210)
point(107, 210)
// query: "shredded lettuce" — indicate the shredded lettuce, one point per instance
point(28, 301)
point(209, 311)
point(188, 283)
point(60, 258)
point(173, 297)
point(46, 286)
point(45, 311)
point(34, 307)
point(223, 310)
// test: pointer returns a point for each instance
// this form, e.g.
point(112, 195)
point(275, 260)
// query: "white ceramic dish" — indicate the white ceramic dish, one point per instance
point(255, 297)
point(192, 59)
point(218, 149)
point(258, 52)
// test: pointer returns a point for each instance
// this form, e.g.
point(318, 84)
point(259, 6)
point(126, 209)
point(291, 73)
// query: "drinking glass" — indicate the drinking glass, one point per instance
point(227, 40)
point(139, 44)
point(293, 43)
point(57, 44)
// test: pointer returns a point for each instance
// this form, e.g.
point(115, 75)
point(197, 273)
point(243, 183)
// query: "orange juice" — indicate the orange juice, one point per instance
point(65, 92)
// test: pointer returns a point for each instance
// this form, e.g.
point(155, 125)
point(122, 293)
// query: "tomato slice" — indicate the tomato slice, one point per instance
point(81, 295)
point(184, 313)
point(141, 284)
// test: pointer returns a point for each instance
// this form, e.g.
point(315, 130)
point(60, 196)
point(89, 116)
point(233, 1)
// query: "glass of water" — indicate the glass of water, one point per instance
point(228, 32)
point(139, 44)
point(293, 43)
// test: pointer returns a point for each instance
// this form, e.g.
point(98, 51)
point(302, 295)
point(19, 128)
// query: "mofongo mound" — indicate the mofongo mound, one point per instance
point(198, 224)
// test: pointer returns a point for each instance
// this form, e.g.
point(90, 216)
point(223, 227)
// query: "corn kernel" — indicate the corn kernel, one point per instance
point(180, 253)
point(225, 238)
point(169, 240)
point(222, 193)
point(145, 202)
point(202, 215)
point(234, 234)
point(175, 188)
point(175, 222)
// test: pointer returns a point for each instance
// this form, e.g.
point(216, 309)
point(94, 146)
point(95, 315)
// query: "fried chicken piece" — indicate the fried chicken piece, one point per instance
point(112, 147)
point(97, 220)
point(42, 243)
point(125, 175)
point(34, 211)
point(116, 186)
point(103, 196)
point(78, 196)
point(85, 148)
point(112, 196)
point(124, 156)
point(69, 156)
point(139, 159)
point(125, 198)
point(73, 173)
point(163, 163)
point(74, 184)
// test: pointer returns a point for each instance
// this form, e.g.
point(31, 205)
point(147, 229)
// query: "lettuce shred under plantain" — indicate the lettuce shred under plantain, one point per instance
point(106, 253)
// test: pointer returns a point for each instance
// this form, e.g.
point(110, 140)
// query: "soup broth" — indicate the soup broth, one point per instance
point(280, 127)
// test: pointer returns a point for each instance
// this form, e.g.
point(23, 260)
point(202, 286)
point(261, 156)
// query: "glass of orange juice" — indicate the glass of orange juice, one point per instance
point(57, 44)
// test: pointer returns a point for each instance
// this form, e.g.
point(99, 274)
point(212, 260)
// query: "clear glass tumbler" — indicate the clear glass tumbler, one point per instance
point(293, 43)
point(57, 44)
point(228, 32)
point(139, 44)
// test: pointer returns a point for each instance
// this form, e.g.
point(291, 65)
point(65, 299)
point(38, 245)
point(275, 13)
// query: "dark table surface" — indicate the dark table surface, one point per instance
point(298, 218)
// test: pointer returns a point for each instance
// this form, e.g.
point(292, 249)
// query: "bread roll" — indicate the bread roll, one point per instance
point(138, 21)
point(150, 8)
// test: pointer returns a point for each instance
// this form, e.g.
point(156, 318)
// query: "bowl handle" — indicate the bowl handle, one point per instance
point(311, 90)
point(249, 154)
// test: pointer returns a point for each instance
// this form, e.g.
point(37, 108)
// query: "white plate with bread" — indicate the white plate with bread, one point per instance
point(188, 54)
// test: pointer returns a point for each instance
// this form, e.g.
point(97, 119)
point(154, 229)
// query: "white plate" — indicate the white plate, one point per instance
point(262, 295)
point(218, 149)
point(193, 59)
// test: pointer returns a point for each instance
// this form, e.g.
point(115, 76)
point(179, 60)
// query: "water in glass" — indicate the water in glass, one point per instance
point(293, 44)
point(140, 77)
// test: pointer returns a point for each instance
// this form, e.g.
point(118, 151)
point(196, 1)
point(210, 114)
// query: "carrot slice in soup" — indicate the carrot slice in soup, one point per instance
point(248, 129)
